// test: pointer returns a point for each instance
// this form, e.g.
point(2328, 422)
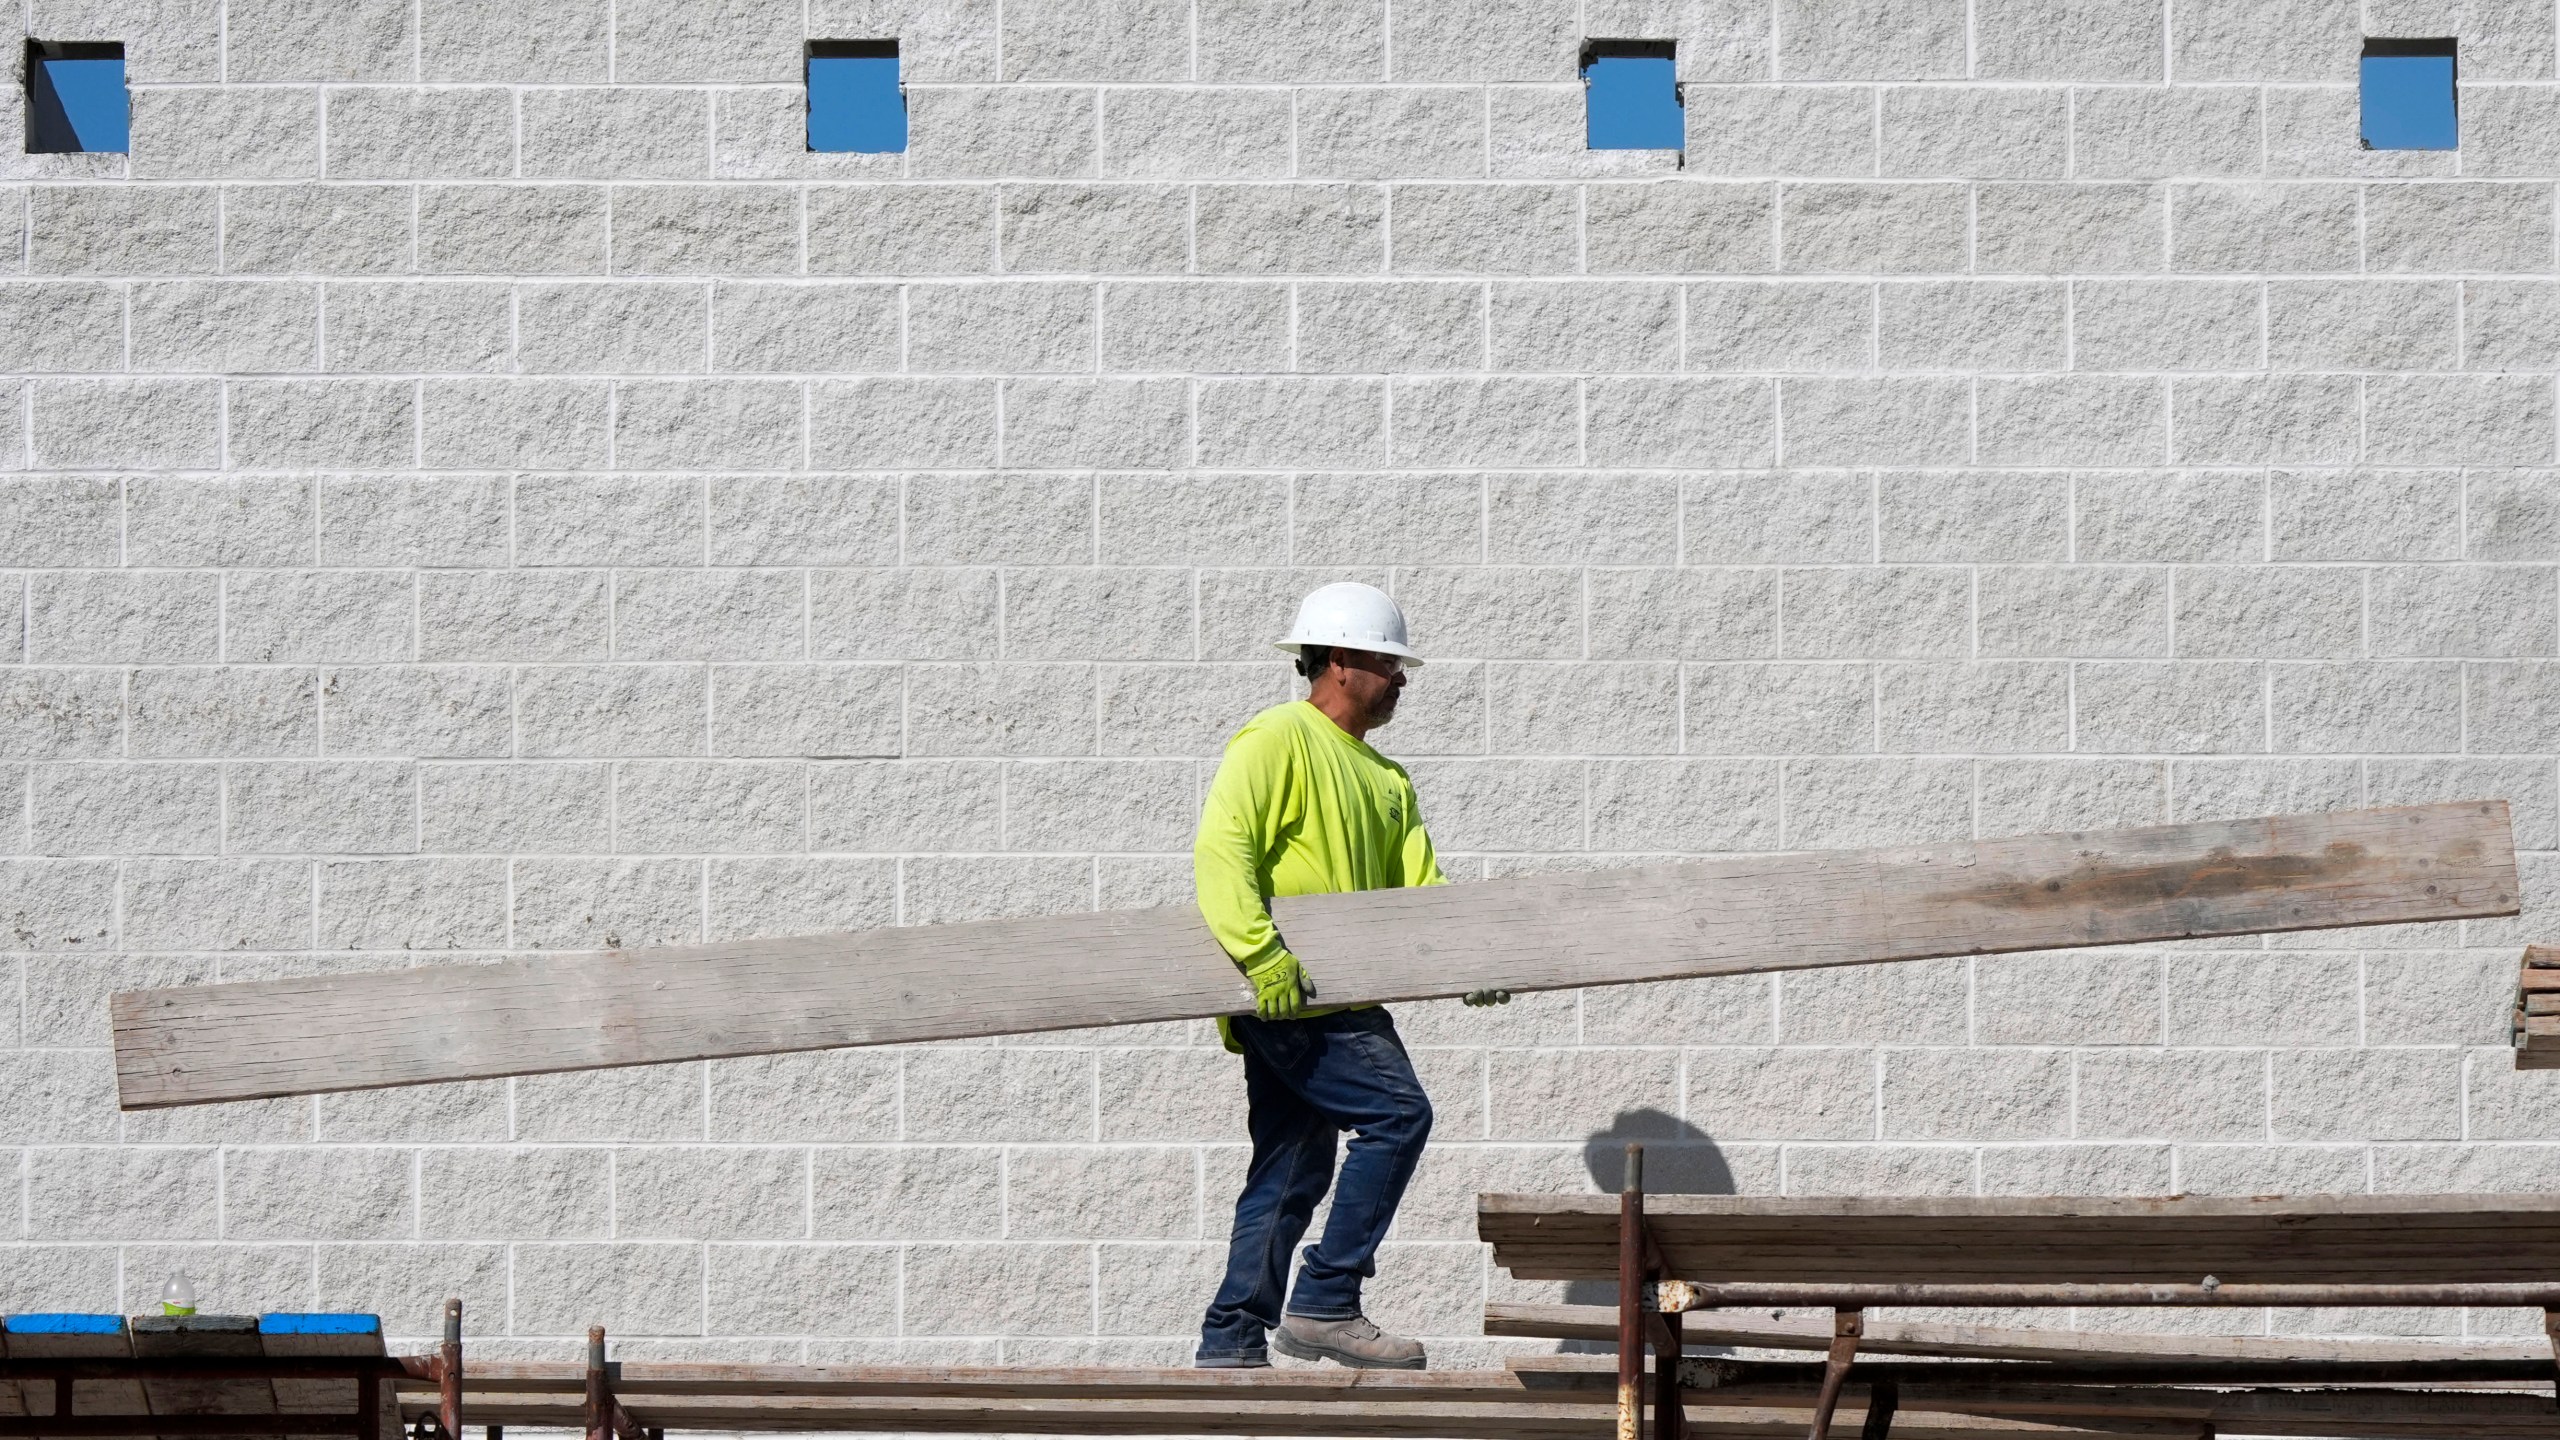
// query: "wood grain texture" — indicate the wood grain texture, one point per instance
point(1720, 1329)
point(2537, 1015)
point(1537, 932)
point(2319, 1239)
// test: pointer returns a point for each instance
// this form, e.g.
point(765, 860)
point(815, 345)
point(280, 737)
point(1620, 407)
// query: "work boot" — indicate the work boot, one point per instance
point(1354, 1342)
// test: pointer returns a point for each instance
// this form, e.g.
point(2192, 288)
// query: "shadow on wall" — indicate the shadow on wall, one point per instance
point(1679, 1159)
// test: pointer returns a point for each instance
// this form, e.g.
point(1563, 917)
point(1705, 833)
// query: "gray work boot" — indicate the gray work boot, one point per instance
point(1354, 1342)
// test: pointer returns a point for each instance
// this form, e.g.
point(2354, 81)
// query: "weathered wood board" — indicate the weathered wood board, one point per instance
point(2537, 1018)
point(2271, 1239)
point(70, 1336)
point(1536, 932)
point(206, 1337)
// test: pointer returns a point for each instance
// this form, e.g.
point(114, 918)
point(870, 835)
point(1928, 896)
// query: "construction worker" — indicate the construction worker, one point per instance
point(1302, 806)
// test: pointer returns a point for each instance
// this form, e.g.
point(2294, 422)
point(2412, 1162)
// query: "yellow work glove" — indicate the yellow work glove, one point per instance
point(1488, 997)
point(1280, 987)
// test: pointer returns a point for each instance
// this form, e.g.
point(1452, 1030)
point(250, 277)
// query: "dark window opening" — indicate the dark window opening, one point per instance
point(76, 98)
point(856, 104)
point(1631, 96)
point(2407, 95)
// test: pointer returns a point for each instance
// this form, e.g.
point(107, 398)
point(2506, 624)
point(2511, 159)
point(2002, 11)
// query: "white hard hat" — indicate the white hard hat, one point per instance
point(1350, 616)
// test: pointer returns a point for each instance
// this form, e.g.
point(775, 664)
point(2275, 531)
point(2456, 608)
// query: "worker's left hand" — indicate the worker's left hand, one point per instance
point(1488, 997)
point(1280, 987)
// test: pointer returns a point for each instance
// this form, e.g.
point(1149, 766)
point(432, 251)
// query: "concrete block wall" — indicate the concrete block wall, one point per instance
point(476, 485)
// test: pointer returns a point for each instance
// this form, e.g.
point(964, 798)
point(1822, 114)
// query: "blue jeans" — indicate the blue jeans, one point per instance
point(1305, 1081)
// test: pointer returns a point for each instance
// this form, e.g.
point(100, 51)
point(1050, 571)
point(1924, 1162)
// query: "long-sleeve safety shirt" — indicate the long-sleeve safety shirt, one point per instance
point(1300, 807)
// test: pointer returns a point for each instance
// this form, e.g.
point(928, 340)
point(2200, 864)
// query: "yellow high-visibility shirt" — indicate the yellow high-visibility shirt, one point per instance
point(1299, 807)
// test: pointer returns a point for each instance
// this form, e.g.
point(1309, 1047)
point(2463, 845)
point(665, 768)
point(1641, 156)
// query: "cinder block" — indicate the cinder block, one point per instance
point(217, 904)
point(2172, 1095)
point(1880, 1170)
point(312, 424)
point(1504, 613)
point(612, 327)
point(2236, 789)
point(2197, 515)
point(1195, 326)
point(1879, 229)
point(1050, 40)
point(1487, 421)
point(221, 712)
point(1667, 614)
point(467, 424)
point(599, 520)
point(1792, 131)
point(388, 133)
point(66, 714)
point(1782, 325)
point(2103, 998)
point(1901, 40)
point(864, 424)
point(1275, 423)
point(1585, 709)
point(1011, 328)
point(2186, 132)
point(1519, 805)
point(797, 1290)
point(226, 134)
point(630, 1289)
point(2446, 419)
point(271, 40)
point(803, 520)
point(1887, 612)
point(499, 615)
point(507, 807)
point(2235, 40)
point(607, 905)
point(117, 1193)
point(831, 711)
point(1759, 709)
point(2512, 515)
point(2169, 705)
point(126, 424)
point(611, 710)
point(1115, 1192)
point(2369, 325)
point(1015, 133)
point(2506, 131)
point(1078, 424)
point(123, 809)
point(2271, 1169)
point(1390, 133)
point(364, 807)
point(63, 325)
point(899, 230)
point(562, 43)
point(1084, 228)
point(1284, 229)
point(413, 905)
point(306, 229)
point(1951, 1094)
point(999, 710)
point(2166, 325)
point(713, 1194)
point(2316, 132)
point(838, 328)
point(709, 615)
point(511, 229)
point(2279, 419)
point(110, 230)
point(417, 710)
point(1098, 614)
point(1791, 1094)
point(225, 325)
point(1912, 421)
point(694, 807)
point(1337, 40)
point(551, 1192)
point(2466, 611)
point(1679, 226)
point(1585, 327)
point(1197, 134)
point(341, 1193)
point(2521, 783)
point(1972, 516)
point(1456, 40)
point(909, 1192)
point(60, 1097)
point(1838, 803)
point(2501, 1102)
point(2366, 1094)
point(667, 40)
point(791, 896)
point(2262, 612)
point(2077, 1170)
point(1009, 1290)
point(1997, 707)
point(2475, 1169)
point(2438, 998)
point(1182, 710)
point(985, 1094)
point(1387, 519)
point(937, 613)
point(2390, 706)
point(709, 424)
point(2067, 40)
point(2510, 324)
point(616, 133)
point(72, 903)
point(1971, 325)
point(1567, 519)
point(218, 521)
point(2273, 228)
point(406, 327)
point(1485, 229)
point(138, 617)
point(822, 1096)
point(166, 40)
point(2009, 132)
point(1396, 326)
point(1568, 1094)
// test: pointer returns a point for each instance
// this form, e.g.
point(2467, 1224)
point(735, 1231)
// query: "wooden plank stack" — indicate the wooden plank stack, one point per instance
point(198, 1044)
point(2537, 1019)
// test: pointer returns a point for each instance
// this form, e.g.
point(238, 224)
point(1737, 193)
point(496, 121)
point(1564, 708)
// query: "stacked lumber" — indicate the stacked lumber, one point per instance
point(2268, 1239)
point(67, 1336)
point(199, 1044)
point(2537, 1019)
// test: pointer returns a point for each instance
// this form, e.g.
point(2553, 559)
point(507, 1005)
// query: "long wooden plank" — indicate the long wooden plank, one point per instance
point(73, 1336)
point(1538, 932)
point(1724, 1329)
point(207, 1337)
point(291, 1335)
point(2328, 1239)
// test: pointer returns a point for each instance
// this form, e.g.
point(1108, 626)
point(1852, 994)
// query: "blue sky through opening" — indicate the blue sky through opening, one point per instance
point(1633, 103)
point(2408, 102)
point(854, 104)
point(79, 105)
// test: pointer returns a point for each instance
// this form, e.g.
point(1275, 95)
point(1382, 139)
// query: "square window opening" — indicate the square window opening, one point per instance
point(2407, 94)
point(76, 98)
point(1631, 96)
point(856, 105)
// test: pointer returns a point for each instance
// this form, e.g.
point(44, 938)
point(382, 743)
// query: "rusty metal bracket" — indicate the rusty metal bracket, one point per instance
point(1883, 1397)
point(2551, 1331)
point(1847, 1326)
point(449, 1371)
point(605, 1417)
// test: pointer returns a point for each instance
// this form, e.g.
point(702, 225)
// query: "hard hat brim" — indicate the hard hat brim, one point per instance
point(1374, 647)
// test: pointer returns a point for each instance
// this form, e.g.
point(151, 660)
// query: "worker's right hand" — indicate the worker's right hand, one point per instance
point(1280, 987)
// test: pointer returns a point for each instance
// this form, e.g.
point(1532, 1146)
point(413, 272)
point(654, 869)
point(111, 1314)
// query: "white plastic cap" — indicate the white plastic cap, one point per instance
point(1350, 616)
